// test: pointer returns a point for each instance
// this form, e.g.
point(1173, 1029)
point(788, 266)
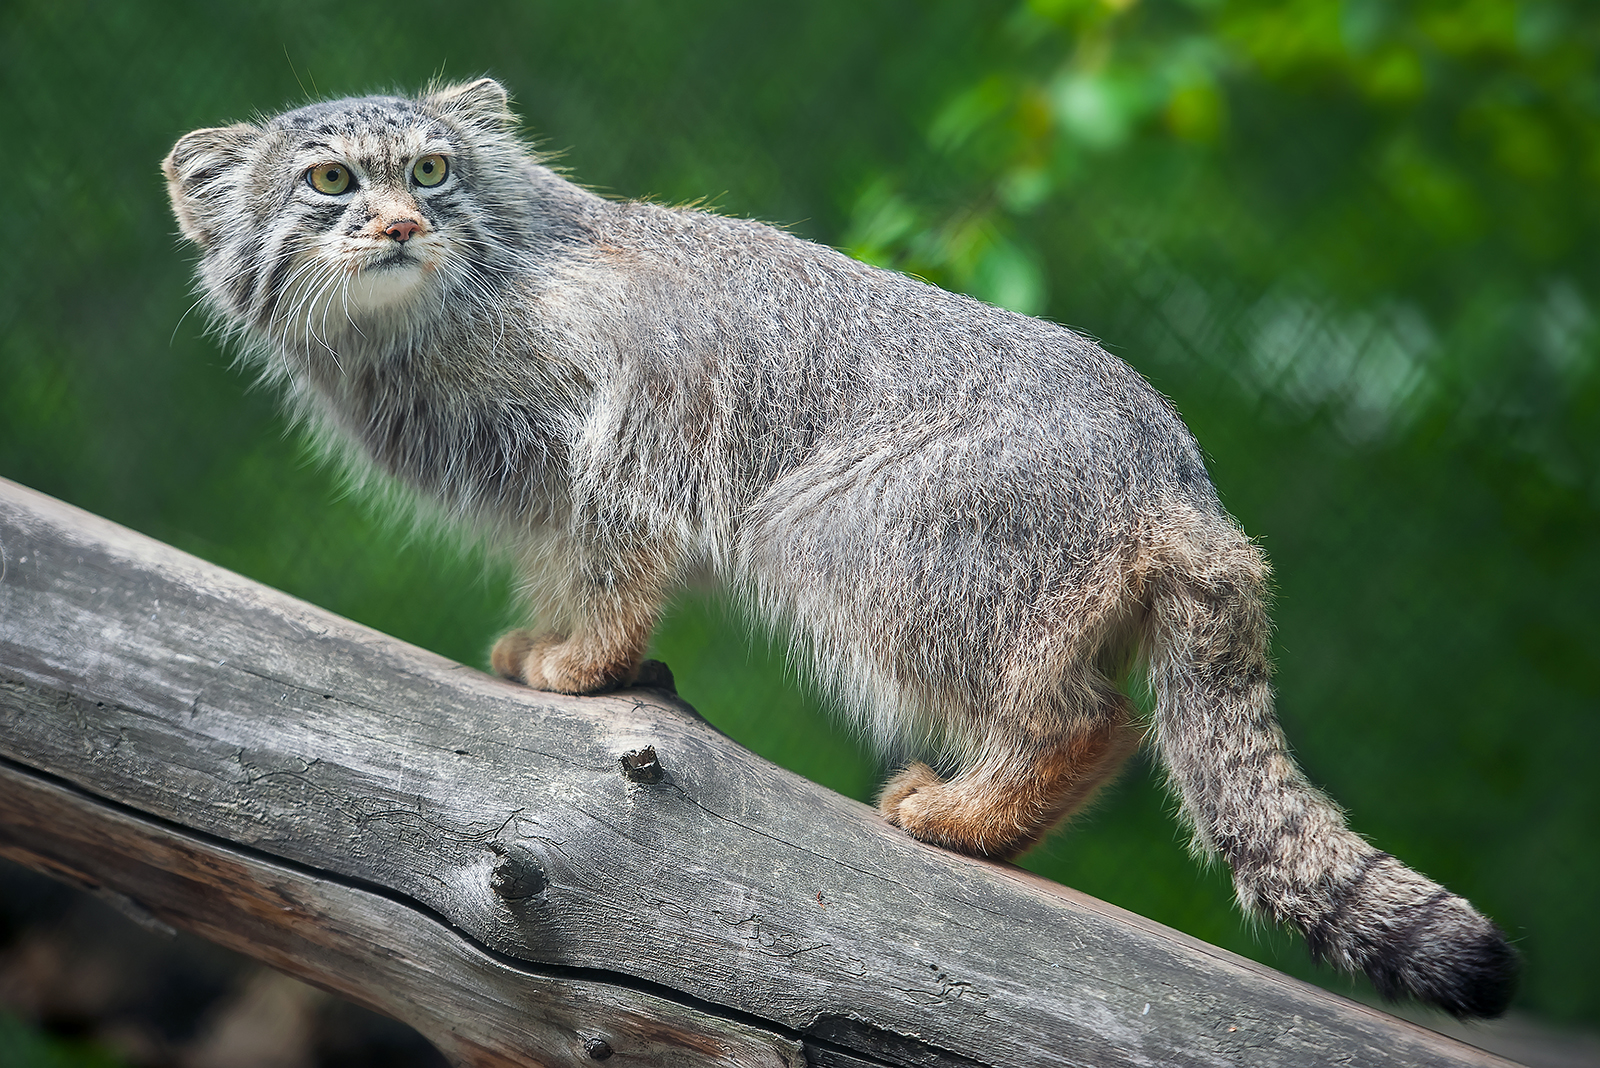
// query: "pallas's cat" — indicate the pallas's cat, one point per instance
point(970, 521)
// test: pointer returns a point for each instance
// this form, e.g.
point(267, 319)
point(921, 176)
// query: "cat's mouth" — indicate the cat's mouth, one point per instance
point(397, 257)
point(384, 278)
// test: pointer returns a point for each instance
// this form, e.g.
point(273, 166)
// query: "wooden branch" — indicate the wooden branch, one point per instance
point(474, 858)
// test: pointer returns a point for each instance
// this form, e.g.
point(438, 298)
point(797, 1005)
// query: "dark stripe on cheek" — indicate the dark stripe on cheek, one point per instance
point(453, 208)
point(289, 256)
point(322, 217)
point(241, 281)
point(481, 248)
point(449, 197)
point(273, 290)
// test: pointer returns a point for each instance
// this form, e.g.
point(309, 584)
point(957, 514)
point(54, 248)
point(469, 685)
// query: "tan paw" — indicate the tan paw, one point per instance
point(892, 800)
point(954, 815)
point(509, 657)
point(558, 664)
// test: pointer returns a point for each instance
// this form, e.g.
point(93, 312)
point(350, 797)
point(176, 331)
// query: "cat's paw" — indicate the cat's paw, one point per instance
point(557, 663)
point(895, 801)
point(952, 815)
point(509, 657)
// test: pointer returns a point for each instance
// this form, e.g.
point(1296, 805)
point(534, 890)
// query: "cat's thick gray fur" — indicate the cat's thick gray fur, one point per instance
point(969, 520)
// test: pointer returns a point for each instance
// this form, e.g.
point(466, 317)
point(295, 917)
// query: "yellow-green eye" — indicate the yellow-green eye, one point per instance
point(430, 170)
point(329, 178)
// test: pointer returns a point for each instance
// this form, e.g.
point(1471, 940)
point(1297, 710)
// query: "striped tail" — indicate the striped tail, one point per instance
point(1293, 859)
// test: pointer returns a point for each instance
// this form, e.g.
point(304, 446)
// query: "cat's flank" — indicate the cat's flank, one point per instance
point(970, 521)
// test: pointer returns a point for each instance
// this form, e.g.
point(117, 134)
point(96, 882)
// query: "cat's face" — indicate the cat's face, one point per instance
point(341, 217)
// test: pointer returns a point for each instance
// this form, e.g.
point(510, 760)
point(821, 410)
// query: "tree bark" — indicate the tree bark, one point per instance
point(480, 860)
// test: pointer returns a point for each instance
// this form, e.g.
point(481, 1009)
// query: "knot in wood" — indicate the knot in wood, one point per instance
point(641, 765)
point(515, 879)
point(598, 1048)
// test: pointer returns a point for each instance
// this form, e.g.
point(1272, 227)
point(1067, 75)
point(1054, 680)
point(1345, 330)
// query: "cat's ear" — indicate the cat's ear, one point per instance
point(203, 172)
point(483, 103)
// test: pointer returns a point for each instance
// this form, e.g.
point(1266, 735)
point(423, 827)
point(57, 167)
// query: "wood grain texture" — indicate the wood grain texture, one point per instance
point(478, 1009)
point(271, 731)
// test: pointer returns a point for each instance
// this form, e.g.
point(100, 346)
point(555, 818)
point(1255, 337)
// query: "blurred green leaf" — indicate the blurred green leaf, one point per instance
point(23, 1047)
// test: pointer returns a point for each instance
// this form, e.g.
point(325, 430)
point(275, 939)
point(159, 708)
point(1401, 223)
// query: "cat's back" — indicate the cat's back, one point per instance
point(819, 351)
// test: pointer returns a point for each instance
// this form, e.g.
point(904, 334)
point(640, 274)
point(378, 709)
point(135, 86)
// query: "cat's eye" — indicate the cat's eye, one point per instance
point(430, 170)
point(329, 178)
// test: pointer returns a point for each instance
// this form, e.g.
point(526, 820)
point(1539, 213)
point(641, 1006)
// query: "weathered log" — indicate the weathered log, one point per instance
point(478, 859)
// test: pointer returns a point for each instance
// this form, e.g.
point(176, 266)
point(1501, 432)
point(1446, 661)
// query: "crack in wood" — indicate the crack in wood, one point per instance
point(290, 871)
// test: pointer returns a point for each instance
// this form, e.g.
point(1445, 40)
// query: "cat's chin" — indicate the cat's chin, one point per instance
point(385, 287)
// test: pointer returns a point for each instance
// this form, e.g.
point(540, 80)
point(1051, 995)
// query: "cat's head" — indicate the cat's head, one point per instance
point(336, 218)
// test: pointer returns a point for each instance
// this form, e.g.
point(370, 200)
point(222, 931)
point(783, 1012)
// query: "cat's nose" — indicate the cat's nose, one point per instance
point(403, 230)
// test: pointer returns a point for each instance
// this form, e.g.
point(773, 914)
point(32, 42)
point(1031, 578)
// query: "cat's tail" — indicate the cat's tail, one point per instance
point(1293, 859)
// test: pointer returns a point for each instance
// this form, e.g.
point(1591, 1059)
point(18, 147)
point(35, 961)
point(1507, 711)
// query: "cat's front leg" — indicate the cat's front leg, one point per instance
point(599, 610)
point(569, 663)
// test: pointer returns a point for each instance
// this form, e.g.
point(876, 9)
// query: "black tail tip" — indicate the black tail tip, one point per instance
point(1469, 973)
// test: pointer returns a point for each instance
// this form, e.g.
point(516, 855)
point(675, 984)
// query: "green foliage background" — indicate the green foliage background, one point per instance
point(1354, 241)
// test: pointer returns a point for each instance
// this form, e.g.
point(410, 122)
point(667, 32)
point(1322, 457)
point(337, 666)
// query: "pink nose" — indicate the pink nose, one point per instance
point(403, 229)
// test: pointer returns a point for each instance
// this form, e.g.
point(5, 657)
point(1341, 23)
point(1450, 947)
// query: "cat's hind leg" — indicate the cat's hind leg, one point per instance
point(1022, 780)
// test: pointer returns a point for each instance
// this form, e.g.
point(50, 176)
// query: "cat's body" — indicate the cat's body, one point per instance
point(970, 520)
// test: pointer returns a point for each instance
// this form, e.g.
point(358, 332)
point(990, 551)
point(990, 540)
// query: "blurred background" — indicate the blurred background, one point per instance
point(1354, 240)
